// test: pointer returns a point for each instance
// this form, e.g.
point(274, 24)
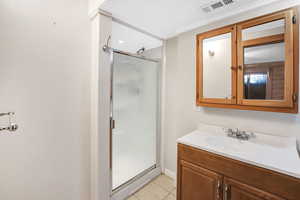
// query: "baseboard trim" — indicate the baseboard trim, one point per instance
point(171, 174)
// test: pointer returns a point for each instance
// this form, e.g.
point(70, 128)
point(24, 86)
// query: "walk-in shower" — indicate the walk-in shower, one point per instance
point(135, 111)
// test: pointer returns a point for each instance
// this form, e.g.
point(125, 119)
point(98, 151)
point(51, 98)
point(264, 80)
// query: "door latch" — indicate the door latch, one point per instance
point(112, 123)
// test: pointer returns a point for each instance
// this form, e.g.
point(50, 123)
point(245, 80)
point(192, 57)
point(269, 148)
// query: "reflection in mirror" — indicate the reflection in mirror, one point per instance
point(263, 30)
point(216, 66)
point(264, 72)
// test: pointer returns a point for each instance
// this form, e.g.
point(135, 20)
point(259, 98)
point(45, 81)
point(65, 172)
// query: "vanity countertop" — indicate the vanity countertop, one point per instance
point(271, 152)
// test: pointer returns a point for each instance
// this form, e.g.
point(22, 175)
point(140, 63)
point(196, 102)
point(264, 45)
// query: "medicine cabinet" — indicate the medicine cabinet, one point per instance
point(251, 65)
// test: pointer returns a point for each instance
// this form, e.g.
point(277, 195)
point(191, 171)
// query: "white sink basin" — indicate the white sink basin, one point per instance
point(222, 142)
point(271, 152)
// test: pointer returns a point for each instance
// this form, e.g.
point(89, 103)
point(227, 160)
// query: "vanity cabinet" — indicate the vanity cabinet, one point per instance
point(251, 65)
point(202, 175)
point(193, 176)
point(234, 190)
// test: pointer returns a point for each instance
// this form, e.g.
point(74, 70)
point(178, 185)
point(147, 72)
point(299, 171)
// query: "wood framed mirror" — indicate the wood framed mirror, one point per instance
point(251, 65)
point(216, 55)
point(265, 60)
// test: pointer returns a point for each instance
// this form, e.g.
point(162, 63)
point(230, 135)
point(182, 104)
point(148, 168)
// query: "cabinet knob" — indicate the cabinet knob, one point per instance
point(226, 192)
point(240, 67)
point(219, 189)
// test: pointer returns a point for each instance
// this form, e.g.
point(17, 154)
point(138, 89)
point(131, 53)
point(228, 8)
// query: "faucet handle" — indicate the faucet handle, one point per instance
point(231, 132)
point(227, 130)
point(236, 130)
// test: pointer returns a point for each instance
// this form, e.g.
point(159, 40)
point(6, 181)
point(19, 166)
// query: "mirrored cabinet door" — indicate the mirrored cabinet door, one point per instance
point(216, 71)
point(251, 65)
point(265, 61)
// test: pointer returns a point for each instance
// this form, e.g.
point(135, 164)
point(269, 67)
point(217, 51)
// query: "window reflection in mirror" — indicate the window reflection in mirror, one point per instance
point(216, 66)
point(264, 72)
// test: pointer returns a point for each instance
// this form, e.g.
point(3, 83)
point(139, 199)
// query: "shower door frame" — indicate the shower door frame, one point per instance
point(148, 174)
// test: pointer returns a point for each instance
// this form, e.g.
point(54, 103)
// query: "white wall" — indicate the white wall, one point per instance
point(45, 79)
point(155, 53)
point(100, 109)
point(94, 5)
point(181, 115)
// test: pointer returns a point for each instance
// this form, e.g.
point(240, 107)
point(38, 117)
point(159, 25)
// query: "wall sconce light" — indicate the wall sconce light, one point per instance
point(211, 53)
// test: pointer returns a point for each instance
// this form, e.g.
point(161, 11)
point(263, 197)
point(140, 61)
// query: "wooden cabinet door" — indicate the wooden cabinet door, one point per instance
point(196, 183)
point(216, 66)
point(234, 190)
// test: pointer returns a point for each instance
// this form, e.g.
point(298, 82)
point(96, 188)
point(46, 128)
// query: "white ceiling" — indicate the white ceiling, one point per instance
point(167, 18)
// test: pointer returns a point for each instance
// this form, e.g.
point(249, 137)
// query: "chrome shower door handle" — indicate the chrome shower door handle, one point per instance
point(112, 123)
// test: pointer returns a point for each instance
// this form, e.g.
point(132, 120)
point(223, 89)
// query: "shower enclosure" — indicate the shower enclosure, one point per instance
point(135, 118)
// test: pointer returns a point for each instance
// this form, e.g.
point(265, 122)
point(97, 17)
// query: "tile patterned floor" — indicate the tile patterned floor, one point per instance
point(161, 188)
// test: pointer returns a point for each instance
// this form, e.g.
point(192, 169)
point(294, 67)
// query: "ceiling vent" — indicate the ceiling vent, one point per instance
point(206, 9)
point(216, 5)
point(227, 2)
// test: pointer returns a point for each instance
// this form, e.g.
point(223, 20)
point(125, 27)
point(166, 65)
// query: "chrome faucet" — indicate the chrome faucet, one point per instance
point(239, 134)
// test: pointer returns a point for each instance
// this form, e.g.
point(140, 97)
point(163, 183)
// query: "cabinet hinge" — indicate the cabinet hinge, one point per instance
point(294, 19)
point(295, 98)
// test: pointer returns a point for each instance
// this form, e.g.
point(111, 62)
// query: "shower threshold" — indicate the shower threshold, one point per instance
point(136, 183)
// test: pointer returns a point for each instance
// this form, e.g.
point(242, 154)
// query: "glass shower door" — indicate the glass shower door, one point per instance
point(135, 89)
